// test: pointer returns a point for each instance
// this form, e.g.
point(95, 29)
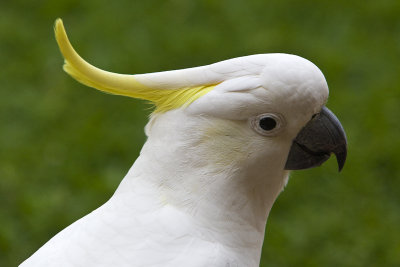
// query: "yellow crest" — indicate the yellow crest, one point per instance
point(123, 84)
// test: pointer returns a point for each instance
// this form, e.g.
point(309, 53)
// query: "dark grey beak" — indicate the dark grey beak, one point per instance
point(321, 136)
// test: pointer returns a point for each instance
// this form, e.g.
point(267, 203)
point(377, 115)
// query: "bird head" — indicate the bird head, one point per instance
point(247, 109)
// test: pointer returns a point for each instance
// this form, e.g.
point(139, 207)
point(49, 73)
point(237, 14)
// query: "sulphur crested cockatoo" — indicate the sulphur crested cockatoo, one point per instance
point(219, 148)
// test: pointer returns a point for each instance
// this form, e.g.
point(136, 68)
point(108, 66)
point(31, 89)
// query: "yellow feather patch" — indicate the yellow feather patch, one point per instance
point(122, 84)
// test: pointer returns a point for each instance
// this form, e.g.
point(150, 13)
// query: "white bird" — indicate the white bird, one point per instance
point(219, 148)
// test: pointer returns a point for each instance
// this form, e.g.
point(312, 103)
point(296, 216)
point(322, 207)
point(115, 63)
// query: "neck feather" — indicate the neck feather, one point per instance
point(207, 178)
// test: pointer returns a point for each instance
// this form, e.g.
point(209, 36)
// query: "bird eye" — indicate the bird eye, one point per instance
point(268, 124)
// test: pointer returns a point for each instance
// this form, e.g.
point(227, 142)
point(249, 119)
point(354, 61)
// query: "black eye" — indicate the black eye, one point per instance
point(267, 123)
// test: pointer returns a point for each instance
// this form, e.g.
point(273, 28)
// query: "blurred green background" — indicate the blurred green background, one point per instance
point(64, 147)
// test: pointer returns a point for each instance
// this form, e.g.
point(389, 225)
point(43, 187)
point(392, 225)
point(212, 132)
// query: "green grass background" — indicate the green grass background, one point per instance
point(64, 147)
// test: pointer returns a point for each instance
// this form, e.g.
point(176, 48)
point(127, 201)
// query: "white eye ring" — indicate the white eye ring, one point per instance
point(268, 124)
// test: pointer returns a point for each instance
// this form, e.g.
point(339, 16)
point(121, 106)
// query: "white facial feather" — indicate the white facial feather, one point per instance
point(287, 83)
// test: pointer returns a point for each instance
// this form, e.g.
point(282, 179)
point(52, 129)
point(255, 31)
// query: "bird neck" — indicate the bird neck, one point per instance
point(221, 190)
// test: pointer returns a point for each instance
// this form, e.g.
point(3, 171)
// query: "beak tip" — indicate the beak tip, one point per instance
point(341, 159)
point(340, 168)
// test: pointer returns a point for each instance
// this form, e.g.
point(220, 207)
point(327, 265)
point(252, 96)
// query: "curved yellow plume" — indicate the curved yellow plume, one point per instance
point(122, 84)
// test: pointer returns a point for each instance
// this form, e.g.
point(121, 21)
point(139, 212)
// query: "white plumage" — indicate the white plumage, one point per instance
point(200, 192)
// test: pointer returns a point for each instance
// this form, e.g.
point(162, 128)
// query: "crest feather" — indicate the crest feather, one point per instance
point(123, 84)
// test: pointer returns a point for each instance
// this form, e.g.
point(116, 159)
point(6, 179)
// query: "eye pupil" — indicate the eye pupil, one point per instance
point(267, 123)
